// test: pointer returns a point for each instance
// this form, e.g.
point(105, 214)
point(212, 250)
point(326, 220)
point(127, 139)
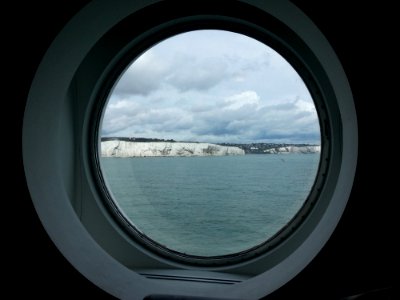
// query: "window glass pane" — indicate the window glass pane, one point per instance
point(210, 143)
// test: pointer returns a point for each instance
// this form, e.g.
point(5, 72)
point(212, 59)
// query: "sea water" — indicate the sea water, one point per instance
point(210, 205)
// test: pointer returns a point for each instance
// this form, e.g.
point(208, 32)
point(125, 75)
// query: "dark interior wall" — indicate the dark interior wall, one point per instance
point(360, 255)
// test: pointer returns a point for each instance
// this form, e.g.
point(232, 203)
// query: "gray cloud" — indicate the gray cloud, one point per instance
point(240, 117)
point(194, 74)
point(144, 76)
point(241, 92)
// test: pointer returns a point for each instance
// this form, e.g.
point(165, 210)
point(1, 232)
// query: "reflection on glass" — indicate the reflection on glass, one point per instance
point(210, 143)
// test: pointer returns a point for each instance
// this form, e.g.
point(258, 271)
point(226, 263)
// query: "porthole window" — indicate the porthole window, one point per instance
point(210, 146)
point(205, 151)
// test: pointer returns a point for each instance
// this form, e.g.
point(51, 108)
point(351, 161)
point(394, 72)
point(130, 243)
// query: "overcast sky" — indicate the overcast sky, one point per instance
point(212, 86)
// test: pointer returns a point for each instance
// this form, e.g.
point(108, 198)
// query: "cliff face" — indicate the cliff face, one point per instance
point(294, 149)
point(117, 148)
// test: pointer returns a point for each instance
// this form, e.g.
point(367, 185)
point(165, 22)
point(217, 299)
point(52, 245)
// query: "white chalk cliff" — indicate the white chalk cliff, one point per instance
point(294, 149)
point(117, 148)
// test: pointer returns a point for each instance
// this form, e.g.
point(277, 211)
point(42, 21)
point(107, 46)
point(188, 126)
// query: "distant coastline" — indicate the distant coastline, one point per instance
point(147, 147)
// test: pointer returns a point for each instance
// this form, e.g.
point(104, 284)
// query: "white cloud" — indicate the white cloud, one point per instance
point(305, 105)
point(247, 98)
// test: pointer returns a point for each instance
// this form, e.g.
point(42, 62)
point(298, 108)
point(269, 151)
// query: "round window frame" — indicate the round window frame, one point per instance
point(46, 110)
point(162, 32)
